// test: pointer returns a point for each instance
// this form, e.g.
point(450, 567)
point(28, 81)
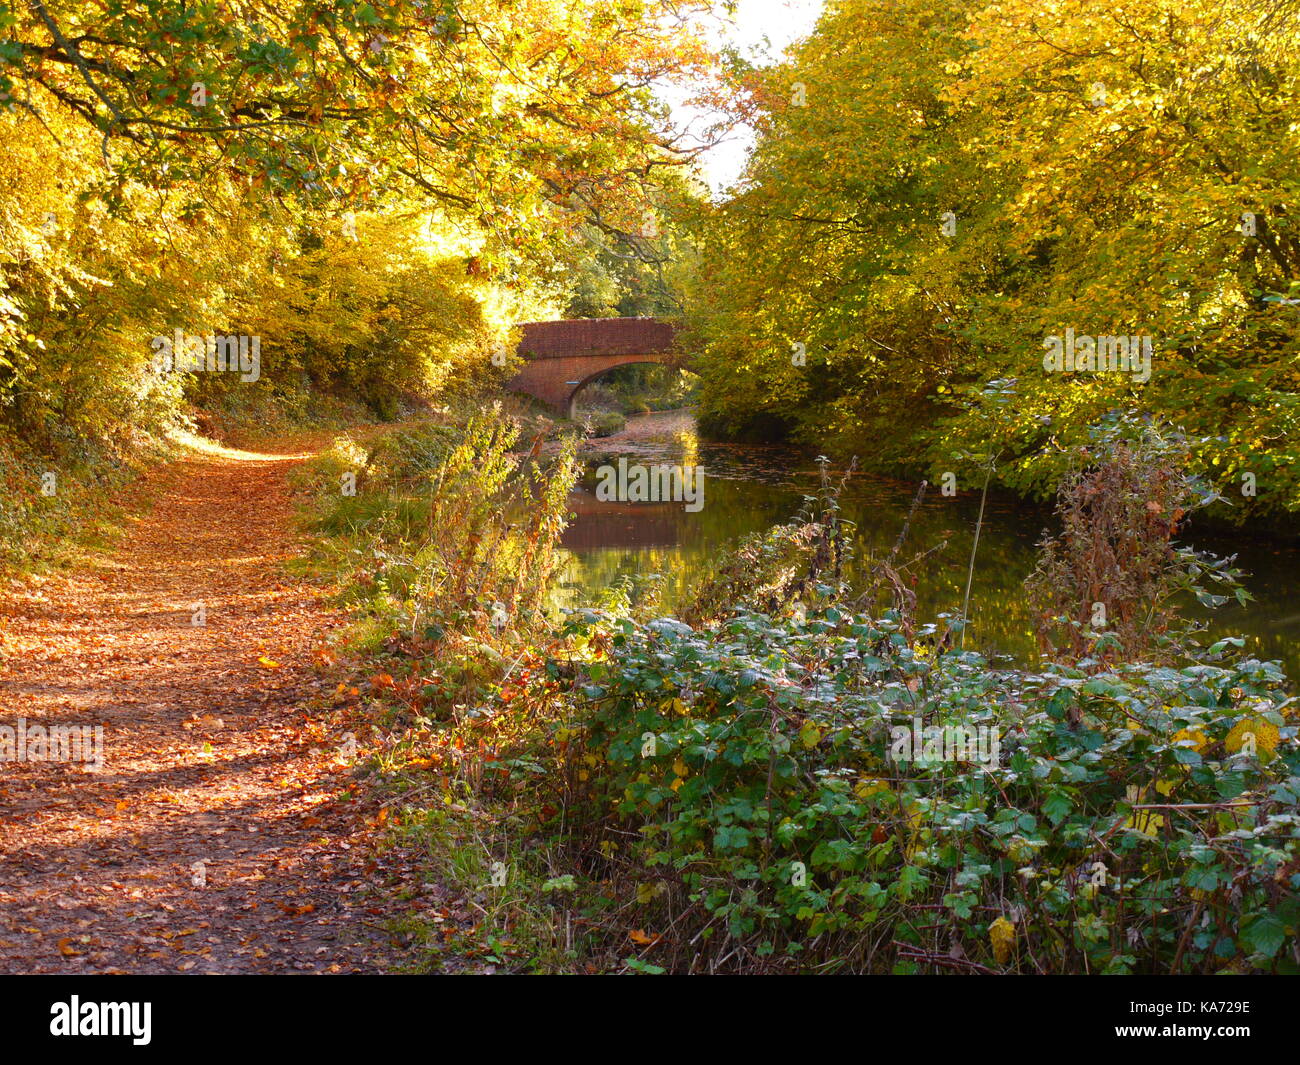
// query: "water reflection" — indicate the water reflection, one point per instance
point(752, 488)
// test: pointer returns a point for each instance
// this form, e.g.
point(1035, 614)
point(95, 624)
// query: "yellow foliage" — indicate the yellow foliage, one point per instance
point(1002, 935)
point(1263, 733)
point(1147, 822)
point(1195, 735)
point(869, 786)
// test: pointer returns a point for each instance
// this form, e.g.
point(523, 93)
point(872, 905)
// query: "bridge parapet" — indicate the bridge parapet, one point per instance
point(597, 336)
point(563, 356)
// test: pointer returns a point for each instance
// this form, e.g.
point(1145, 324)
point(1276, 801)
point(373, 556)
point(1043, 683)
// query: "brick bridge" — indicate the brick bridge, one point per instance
point(565, 356)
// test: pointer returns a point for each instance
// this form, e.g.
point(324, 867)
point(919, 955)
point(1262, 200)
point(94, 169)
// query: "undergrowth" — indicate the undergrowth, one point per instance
point(787, 777)
point(61, 500)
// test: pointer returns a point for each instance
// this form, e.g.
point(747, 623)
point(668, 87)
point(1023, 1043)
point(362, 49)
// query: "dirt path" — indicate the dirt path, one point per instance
point(219, 748)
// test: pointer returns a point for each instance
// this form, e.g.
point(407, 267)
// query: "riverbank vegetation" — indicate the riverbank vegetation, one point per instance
point(774, 786)
point(637, 389)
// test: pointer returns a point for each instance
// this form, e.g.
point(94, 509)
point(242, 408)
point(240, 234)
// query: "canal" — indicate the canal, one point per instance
point(749, 488)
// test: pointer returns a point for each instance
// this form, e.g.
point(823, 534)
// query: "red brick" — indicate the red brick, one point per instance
point(580, 349)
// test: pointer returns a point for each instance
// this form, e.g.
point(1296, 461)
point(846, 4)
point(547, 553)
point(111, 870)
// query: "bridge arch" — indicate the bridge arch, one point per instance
point(630, 360)
point(562, 357)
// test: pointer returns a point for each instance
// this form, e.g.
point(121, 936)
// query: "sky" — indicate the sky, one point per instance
point(760, 28)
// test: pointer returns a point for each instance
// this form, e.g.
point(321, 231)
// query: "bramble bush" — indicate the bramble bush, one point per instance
point(1126, 826)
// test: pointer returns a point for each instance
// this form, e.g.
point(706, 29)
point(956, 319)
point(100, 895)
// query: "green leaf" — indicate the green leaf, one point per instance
point(1057, 806)
point(1264, 934)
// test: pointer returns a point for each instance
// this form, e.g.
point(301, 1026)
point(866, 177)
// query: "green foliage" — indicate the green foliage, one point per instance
point(768, 760)
point(39, 529)
point(448, 530)
point(789, 783)
point(642, 388)
point(730, 794)
point(643, 279)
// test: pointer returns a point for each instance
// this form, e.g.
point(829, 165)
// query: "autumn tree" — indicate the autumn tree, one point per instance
point(936, 192)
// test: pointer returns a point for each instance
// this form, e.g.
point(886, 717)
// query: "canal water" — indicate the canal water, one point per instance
point(748, 488)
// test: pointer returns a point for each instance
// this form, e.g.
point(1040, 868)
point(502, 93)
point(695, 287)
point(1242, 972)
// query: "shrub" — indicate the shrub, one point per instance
point(742, 793)
point(738, 787)
point(454, 527)
point(1115, 566)
point(734, 788)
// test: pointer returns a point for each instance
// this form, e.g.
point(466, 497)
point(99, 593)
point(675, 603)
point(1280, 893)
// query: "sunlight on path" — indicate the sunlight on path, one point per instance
point(213, 838)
